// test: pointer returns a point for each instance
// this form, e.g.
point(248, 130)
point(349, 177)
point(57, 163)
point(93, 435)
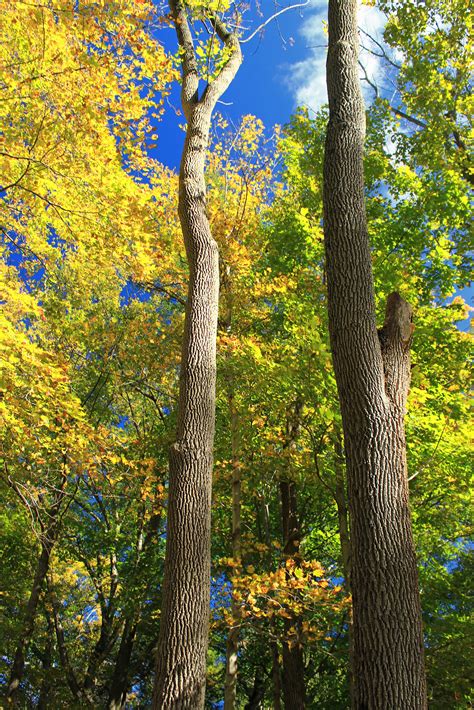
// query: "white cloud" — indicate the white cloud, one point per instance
point(307, 79)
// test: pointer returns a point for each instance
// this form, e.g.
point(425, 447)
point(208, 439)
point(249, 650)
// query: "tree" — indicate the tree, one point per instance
point(181, 661)
point(93, 279)
point(372, 372)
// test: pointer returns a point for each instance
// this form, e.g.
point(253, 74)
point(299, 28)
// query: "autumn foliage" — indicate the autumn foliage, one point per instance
point(93, 291)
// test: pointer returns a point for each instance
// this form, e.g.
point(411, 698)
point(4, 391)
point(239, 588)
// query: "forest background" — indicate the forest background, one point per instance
point(93, 288)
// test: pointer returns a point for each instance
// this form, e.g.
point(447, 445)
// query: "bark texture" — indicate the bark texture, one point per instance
point(372, 374)
point(182, 647)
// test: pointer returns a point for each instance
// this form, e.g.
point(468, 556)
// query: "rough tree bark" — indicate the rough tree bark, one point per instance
point(342, 511)
point(372, 375)
point(182, 647)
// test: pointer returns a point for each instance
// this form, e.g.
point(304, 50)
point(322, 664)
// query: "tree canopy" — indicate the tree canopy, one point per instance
point(93, 293)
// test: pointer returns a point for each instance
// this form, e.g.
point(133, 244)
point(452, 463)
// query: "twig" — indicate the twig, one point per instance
point(271, 18)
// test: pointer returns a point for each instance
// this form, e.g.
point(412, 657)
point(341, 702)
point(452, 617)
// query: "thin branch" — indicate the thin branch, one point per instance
point(18, 180)
point(24, 248)
point(218, 86)
point(271, 18)
point(383, 54)
point(369, 81)
point(430, 458)
point(407, 117)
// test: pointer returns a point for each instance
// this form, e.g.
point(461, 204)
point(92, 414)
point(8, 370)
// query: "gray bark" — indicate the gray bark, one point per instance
point(372, 375)
point(182, 647)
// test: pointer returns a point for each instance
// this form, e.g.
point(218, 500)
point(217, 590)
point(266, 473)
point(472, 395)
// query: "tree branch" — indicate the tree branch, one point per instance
point(190, 85)
point(217, 87)
point(271, 18)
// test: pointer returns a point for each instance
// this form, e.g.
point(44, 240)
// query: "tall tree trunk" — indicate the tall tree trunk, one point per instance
point(258, 692)
point(121, 675)
point(120, 678)
point(74, 686)
point(18, 667)
point(182, 647)
point(372, 375)
point(48, 537)
point(293, 682)
point(108, 631)
point(232, 647)
point(276, 677)
point(46, 663)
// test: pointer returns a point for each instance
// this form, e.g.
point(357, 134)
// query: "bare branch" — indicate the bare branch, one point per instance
point(271, 18)
point(383, 53)
point(407, 117)
point(430, 458)
point(369, 81)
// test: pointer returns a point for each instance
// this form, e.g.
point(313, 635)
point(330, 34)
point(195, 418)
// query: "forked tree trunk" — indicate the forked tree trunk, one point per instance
point(372, 375)
point(182, 647)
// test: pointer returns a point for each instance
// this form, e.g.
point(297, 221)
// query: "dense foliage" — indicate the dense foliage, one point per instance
point(92, 292)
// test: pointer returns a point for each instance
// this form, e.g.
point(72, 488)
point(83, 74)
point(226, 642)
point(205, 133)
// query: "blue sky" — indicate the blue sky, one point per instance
point(261, 87)
point(283, 67)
